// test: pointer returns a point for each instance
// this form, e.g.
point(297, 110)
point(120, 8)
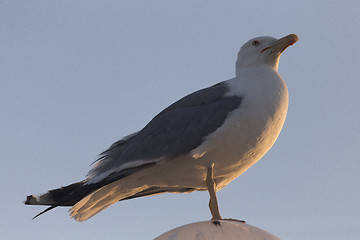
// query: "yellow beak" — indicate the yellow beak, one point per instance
point(281, 44)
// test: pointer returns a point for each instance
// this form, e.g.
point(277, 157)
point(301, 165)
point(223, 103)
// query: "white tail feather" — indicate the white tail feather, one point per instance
point(43, 199)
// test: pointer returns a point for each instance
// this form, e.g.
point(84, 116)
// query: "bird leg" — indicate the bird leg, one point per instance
point(211, 186)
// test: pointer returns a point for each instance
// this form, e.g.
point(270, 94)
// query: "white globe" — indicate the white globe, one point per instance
point(226, 230)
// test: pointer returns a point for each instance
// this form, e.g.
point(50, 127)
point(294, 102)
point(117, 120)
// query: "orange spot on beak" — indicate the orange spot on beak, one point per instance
point(292, 41)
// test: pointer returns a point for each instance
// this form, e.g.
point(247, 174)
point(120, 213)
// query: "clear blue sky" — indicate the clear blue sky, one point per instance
point(75, 76)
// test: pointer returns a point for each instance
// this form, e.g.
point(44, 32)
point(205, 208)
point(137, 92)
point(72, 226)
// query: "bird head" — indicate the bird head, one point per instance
point(263, 51)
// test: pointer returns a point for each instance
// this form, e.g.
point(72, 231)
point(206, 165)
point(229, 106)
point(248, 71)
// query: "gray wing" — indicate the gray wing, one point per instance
point(176, 130)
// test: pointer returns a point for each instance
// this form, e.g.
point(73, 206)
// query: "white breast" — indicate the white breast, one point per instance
point(251, 130)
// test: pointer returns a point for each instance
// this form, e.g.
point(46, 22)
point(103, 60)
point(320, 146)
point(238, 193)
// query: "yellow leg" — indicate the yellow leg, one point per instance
point(211, 186)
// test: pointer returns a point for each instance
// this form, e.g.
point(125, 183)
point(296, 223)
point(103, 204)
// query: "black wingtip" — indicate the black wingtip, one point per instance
point(48, 209)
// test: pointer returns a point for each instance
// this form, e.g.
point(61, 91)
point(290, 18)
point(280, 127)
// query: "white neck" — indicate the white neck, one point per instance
point(274, 64)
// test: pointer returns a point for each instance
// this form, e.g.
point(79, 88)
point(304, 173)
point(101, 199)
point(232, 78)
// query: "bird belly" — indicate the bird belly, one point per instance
point(242, 143)
point(247, 134)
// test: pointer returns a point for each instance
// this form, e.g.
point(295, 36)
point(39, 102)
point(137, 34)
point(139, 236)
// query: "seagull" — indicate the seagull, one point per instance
point(200, 143)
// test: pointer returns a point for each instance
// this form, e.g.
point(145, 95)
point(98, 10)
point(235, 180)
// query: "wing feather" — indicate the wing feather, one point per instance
point(176, 130)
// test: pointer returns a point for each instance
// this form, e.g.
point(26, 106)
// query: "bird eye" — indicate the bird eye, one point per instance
point(255, 43)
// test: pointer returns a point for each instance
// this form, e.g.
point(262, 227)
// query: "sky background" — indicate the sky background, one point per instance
point(76, 76)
